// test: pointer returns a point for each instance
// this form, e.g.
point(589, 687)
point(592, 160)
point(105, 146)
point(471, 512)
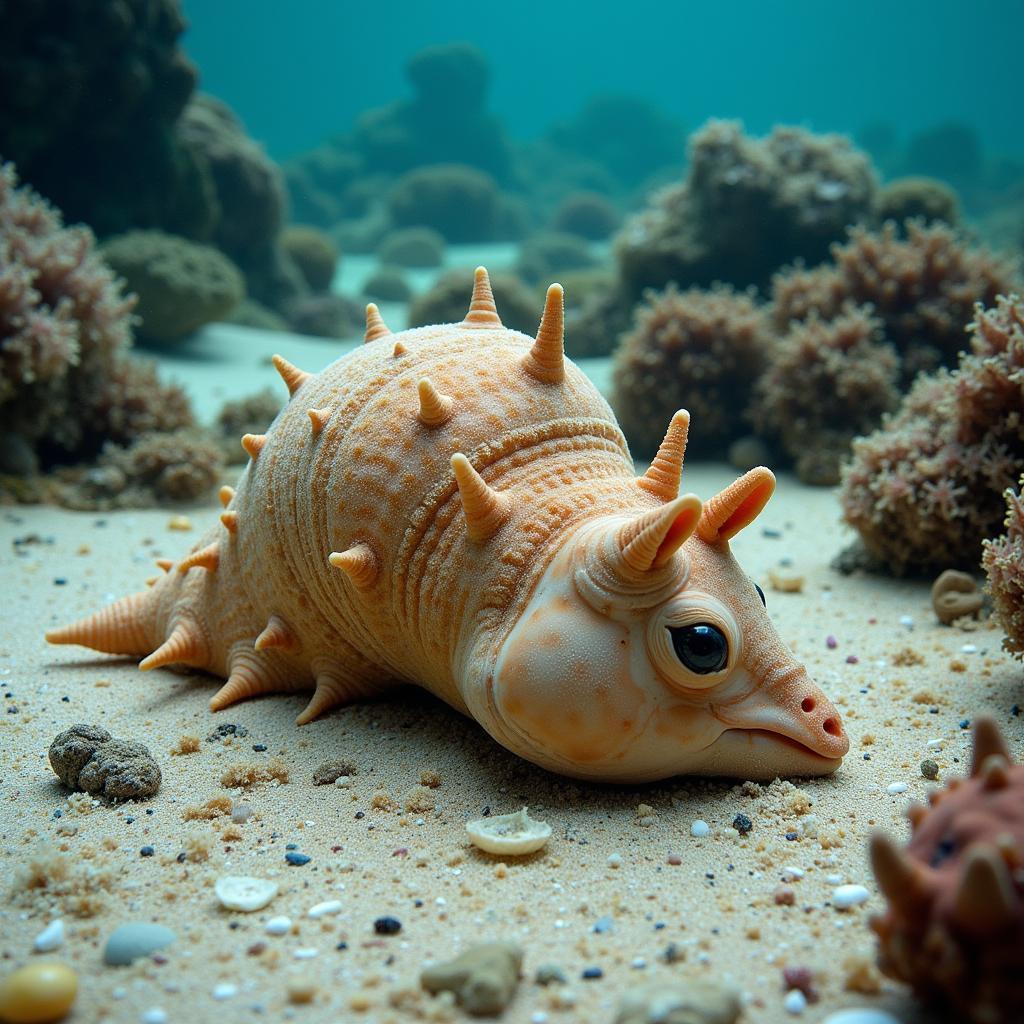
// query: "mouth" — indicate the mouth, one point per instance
point(766, 754)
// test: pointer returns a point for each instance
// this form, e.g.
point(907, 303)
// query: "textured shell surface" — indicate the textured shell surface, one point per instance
point(456, 507)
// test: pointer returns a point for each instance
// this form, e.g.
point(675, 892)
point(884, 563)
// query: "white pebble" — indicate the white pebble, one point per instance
point(278, 926)
point(795, 1001)
point(639, 963)
point(846, 896)
point(860, 1015)
point(699, 829)
point(896, 787)
point(791, 872)
point(834, 879)
point(305, 953)
point(538, 1017)
point(968, 648)
point(240, 892)
point(50, 938)
point(326, 908)
point(342, 781)
point(907, 620)
point(225, 990)
point(154, 1016)
point(240, 813)
point(615, 860)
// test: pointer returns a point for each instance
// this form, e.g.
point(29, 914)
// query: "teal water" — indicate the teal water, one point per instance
point(297, 73)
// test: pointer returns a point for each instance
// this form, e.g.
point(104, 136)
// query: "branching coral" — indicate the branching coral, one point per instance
point(923, 287)
point(180, 285)
point(1003, 560)
point(926, 489)
point(826, 382)
point(698, 350)
point(955, 922)
point(746, 208)
point(66, 384)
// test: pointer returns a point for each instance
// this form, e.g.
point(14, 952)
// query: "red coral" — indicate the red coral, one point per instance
point(954, 928)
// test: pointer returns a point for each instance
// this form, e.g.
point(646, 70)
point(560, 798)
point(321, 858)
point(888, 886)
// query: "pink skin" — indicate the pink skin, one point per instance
point(587, 682)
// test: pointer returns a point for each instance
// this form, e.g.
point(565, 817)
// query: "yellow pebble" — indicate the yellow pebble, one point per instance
point(179, 523)
point(41, 992)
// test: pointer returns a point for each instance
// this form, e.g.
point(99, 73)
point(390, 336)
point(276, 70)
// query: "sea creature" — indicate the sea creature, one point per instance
point(954, 928)
point(455, 506)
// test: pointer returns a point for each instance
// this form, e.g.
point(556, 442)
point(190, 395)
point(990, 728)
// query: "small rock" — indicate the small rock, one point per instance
point(87, 758)
point(929, 769)
point(296, 859)
point(483, 978)
point(895, 788)
point(742, 824)
point(43, 991)
point(548, 974)
point(325, 909)
point(795, 1001)
point(329, 772)
point(137, 939)
point(387, 926)
point(51, 938)
point(860, 1015)
point(846, 896)
point(785, 581)
point(699, 829)
point(278, 926)
point(695, 1002)
point(241, 892)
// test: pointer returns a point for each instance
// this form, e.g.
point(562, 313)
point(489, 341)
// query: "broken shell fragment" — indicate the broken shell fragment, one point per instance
point(509, 834)
point(240, 892)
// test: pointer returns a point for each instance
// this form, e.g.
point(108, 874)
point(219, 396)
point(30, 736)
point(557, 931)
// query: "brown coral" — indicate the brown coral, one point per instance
point(89, 759)
point(954, 929)
point(926, 489)
point(826, 382)
point(923, 288)
point(698, 350)
point(1003, 560)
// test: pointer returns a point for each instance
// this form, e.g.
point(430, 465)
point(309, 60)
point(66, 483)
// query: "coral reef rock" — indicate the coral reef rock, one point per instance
point(89, 759)
point(313, 253)
point(1003, 559)
point(954, 928)
point(484, 978)
point(698, 350)
point(679, 1002)
point(926, 489)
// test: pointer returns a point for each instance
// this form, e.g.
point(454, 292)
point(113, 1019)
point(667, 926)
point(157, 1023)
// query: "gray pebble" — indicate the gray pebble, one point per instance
point(929, 769)
point(548, 974)
point(128, 942)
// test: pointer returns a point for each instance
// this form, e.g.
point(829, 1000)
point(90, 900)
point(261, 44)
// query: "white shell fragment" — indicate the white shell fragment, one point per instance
point(326, 908)
point(50, 938)
point(846, 896)
point(238, 892)
point(509, 834)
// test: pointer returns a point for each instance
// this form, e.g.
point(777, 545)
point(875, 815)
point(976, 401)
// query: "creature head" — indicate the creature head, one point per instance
point(647, 652)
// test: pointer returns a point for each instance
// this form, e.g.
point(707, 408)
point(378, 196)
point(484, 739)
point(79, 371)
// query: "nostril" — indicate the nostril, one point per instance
point(808, 704)
point(832, 727)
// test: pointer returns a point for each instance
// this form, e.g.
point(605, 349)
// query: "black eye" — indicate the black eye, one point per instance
point(760, 594)
point(701, 648)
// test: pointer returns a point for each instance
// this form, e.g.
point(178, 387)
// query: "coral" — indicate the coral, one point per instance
point(460, 202)
point(313, 253)
point(627, 136)
point(926, 489)
point(91, 95)
point(956, 595)
point(66, 384)
point(180, 285)
point(466, 573)
point(87, 758)
point(545, 256)
point(954, 926)
point(1003, 560)
point(412, 247)
point(483, 978)
point(250, 313)
point(746, 208)
point(445, 302)
point(387, 284)
point(324, 316)
point(927, 199)
point(446, 120)
point(825, 383)
point(922, 287)
point(695, 350)
point(252, 414)
point(587, 214)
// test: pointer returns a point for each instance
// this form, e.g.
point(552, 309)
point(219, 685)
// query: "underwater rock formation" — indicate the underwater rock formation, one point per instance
point(180, 285)
point(313, 253)
point(954, 928)
point(445, 302)
point(825, 383)
point(1003, 560)
point(922, 287)
point(66, 383)
point(926, 489)
point(926, 199)
point(547, 255)
point(252, 414)
point(747, 207)
point(412, 247)
point(695, 350)
point(387, 284)
point(587, 214)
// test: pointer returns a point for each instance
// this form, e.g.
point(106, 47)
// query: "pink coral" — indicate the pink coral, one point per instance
point(954, 928)
point(1003, 560)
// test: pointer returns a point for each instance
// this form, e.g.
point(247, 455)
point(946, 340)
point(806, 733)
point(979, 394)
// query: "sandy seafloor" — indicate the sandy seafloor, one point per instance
point(567, 905)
